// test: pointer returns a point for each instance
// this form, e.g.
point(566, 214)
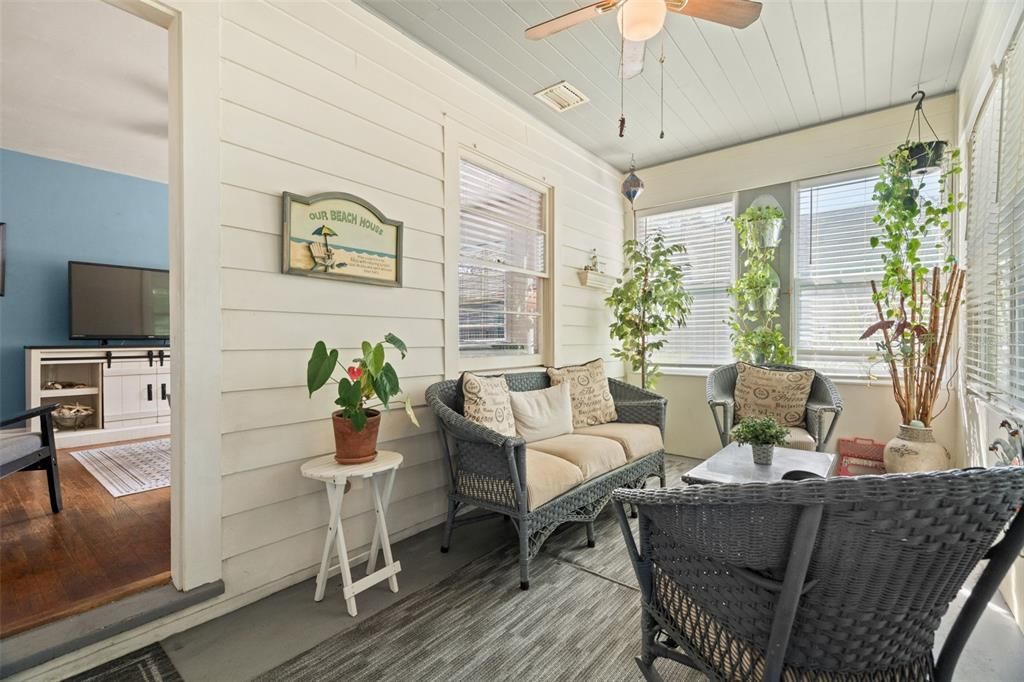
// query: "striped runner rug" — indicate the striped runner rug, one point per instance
point(130, 468)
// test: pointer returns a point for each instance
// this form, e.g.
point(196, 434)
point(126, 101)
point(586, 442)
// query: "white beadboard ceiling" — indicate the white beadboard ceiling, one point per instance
point(803, 63)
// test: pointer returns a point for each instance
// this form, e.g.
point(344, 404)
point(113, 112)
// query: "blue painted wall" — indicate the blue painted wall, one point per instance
point(56, 212)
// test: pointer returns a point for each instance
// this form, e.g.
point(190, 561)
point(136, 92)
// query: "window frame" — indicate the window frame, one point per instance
point(732, 198)
point(795, 280)
point(464, 143)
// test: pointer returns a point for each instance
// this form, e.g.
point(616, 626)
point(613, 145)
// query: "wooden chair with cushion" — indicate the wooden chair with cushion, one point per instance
point(32, 451)
point(823, 400)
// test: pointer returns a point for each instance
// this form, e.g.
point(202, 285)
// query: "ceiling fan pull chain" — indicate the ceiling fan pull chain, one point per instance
point(662, 61)
point(622, 84)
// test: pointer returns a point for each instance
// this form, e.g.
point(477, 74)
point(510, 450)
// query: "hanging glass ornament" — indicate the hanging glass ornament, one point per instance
point(632, 186)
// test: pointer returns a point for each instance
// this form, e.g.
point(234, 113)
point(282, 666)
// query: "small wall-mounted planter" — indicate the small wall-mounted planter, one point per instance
point(765, 301)
point(767, 233)
point(596, 280)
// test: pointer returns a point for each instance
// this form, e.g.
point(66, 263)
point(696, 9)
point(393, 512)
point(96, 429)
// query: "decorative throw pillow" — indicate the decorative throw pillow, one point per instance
point(542, 414)
point(485, 401)
point(774, 393)
point(592, 402)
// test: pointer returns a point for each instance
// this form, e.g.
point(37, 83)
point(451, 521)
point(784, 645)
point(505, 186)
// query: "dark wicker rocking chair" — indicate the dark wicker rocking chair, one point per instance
point(843, 579)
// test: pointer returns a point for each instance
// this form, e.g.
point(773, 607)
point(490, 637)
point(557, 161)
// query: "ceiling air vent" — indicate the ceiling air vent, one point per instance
point(561, 96)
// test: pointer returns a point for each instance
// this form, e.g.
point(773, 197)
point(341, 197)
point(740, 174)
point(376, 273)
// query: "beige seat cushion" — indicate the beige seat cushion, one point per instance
point(762, 392)
point(592, 454)
point(799, 439)
point(636, 439)
point(547, 477)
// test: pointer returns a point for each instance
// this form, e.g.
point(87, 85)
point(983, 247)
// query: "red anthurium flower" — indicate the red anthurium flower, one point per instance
point(355, 373)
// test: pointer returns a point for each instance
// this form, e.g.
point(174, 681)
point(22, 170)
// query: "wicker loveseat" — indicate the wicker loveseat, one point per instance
point(544, 484)
point(844, 579)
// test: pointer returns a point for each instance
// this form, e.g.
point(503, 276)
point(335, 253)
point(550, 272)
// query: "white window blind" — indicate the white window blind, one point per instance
point(708, 270)
point(994, 254)
point(834, 268)
point(502, 263)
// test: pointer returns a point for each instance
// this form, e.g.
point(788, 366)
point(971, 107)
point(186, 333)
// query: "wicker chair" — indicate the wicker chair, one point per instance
point(488, 470)
point(843, 579)
point(824, 399)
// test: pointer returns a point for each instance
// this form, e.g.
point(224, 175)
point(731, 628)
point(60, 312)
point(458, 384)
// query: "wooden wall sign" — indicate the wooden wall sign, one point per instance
point(340, 236)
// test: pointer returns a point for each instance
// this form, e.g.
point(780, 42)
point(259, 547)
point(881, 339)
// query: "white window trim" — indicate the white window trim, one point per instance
point(463, 142)
point(794, 251)
point(691, 369)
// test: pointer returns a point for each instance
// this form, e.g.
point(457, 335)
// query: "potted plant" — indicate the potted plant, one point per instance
point(356, 424)
point(647, 303)
point(762, 434)
point(917, 306)
point(756, 335)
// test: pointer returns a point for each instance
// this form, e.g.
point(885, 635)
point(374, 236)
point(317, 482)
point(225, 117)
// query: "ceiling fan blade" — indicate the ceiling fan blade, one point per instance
point(735, 13)
point(633, 58)
point(570, 19)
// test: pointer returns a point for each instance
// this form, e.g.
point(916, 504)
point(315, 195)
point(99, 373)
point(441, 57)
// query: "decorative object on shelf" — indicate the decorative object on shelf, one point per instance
point(648, 302)
point(72, 417)
point(915, 449)
point(917, 306)
point(1009, 451)
point(762, 434)
point(58, 385)
point(594, 263)
point(593, 275)
point(356, 425)
point(756, 334)
point(923, 155)
point(340, 236)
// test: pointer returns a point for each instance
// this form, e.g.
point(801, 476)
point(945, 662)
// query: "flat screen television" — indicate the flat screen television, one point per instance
point(118, 302)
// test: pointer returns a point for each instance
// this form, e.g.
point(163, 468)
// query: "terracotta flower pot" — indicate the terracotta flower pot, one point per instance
point(355, 447)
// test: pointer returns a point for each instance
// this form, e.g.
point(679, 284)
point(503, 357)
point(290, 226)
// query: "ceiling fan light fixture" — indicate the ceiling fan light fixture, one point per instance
point(641, 20)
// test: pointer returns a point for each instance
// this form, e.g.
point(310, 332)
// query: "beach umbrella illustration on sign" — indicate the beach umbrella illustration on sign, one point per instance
point(323, 255)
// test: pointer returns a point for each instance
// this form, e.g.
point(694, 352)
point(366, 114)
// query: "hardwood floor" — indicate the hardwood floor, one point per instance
point(97, 550)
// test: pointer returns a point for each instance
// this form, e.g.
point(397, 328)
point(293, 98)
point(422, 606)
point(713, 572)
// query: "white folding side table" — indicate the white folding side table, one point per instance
point(335, 476)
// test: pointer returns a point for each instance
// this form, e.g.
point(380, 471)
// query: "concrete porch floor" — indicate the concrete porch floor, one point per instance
point(261, 636)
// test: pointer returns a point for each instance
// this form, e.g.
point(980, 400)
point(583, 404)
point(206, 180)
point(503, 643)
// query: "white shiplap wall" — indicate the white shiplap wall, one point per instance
point(323, 96)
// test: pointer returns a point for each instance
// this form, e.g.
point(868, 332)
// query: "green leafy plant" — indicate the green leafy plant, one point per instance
point(760, 431)
point(755, 332)
point(648, 302)
point(917, 306)
point(370, 376)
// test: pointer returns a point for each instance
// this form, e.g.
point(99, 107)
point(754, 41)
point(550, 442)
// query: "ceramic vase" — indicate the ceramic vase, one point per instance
point(355, 447)
point(914, 449)
point(762, 453)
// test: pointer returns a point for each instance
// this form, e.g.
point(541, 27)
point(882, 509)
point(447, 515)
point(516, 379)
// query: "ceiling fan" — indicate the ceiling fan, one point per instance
point(640, 20)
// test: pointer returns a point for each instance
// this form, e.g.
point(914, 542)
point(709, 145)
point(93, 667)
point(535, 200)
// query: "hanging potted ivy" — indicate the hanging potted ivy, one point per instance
point(924, 155)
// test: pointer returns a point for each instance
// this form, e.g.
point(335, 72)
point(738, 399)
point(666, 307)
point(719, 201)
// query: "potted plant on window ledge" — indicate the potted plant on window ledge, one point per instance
point(357, 424)
point(917, 305)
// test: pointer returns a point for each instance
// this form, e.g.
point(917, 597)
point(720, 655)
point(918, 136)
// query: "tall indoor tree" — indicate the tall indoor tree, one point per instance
point(648, 302)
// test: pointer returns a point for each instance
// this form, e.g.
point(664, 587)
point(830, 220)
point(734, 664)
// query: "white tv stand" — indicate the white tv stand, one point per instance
point(127, 386)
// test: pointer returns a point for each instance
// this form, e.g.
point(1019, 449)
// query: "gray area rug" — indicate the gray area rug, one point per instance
point(129, 468)
point(150, 664)
point(580, 620)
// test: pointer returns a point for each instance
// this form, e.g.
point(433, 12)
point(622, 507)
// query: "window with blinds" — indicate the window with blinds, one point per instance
point(503, 242)
point(994, 253)
point(834, 267)
point(709, 269)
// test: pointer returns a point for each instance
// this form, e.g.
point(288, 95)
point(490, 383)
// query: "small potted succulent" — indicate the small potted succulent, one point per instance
point(371, 376)
point(763, 434)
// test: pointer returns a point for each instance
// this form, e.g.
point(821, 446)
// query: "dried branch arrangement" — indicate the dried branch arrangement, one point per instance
point(917, 306)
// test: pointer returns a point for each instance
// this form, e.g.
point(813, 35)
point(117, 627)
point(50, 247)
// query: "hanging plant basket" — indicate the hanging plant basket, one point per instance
point(924, 156)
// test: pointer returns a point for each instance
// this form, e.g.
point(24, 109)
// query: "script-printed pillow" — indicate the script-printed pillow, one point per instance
point(485, 400)
point(592, 402)
point(780, 394)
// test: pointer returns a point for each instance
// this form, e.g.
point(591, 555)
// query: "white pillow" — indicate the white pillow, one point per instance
point(542, 414)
